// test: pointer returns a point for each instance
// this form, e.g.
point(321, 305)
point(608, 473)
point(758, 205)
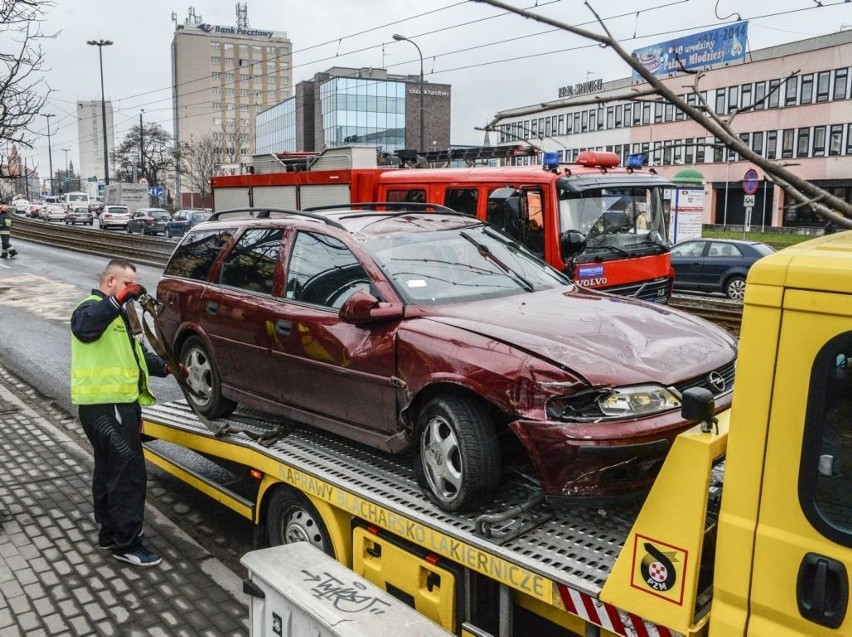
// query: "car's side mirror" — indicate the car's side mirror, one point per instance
point(572, 243)
point(362, 307)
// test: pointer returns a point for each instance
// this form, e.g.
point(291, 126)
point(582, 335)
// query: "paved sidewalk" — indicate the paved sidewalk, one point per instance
point(54, 580)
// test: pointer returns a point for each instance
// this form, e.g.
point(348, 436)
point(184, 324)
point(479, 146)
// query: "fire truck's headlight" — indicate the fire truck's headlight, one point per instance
point(618, 403)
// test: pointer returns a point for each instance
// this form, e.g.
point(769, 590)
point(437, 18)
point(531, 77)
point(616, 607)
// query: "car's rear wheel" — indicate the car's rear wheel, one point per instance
point(735, 288)
point(293, 518)
point(205, 380)
point(458, 463)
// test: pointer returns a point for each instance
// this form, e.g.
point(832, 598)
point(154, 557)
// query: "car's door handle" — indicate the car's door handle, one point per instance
point(822, 590)
point(212, 308)
point(284, 328)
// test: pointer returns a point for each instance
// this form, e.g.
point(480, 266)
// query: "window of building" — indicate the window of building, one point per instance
point(215, 59)
point(593, 120)
point(803, 145)
point(585, 121)
point(628, 115)
point(229, 77)
point(600, 118)
point(217, 121)
point(610, 117)
point(282, 50)
point(243, 49)
point(257, 49)
point(718, 150)
point(561, 126)
point(757, 142)
point(788, 137)
point(667, 153)
point(646, 113)
point(771, 144)
point(790, 91)
point(807, 95)
point(745, 96)
point(819, 141)
point(270, 50)
point(840, 77)
point(258, 79)
point(216, 75)
point(229, 107)
point(668, 114)
point(835, 139)
point(576, 123)
point(759, 95)
point(849, 139)
point(658, 111)
point(823, 86)
point(229, 46)
point(217, 106)
point(688, 151)
point(733, 98)
point(700, 150)
point(283, 65)
point(215, 46)
point(229, 62)
point(720, 101)
point(637, 114)
point(229, 92)
point(270, 64)
point(678, 114)
point(216, 90)
point(244, 92)
point(244, 77)
point(826, 461)
point(745, 139)
point(244, 107)
point(774, 93)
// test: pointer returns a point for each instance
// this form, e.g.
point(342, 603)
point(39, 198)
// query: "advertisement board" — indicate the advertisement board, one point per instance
point(697, 51)
point(687, 216)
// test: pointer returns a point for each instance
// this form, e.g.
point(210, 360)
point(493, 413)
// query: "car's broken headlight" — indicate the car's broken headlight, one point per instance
point(612, 404)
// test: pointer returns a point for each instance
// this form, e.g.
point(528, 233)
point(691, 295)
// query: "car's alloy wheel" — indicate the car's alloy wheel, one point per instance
point(205, 380)
point(735, 288)
point(459, 455)
point(293, 518)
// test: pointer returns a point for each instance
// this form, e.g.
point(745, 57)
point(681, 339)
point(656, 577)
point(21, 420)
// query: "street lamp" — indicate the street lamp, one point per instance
point(400, 38)
point(67, 181)
point(101, 44)
point(49, 152)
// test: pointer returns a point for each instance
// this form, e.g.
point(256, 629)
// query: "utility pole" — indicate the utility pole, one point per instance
point(402, 38)
point(47, 116)
point(101, 44)
point(141, 145)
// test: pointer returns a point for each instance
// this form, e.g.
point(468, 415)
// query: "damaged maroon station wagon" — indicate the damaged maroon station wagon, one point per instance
point(435, 332)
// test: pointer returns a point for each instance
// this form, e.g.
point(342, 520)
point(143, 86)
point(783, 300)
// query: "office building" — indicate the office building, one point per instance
point(795, 107)
point(357, 107)
point(222, 77)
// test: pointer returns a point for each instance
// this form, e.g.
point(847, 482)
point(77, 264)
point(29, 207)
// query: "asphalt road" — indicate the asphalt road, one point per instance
point(38, 292)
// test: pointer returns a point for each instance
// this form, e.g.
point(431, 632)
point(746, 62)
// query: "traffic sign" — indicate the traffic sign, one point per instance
point(751, 181)
point(155, 191)
point(748, 201)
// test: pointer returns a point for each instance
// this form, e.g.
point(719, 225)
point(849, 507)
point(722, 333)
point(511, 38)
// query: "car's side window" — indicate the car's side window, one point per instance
point(825, 473)
point(462, 199)
point(723, 250)
point(323, 271)
point(251, 263)
point(692, 249)
point(194, 257)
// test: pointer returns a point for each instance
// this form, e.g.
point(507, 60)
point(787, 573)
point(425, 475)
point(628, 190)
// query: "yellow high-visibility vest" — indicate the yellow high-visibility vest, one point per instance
point(106, 370)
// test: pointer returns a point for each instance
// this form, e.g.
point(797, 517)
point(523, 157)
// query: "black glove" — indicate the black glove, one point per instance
point(132, 291)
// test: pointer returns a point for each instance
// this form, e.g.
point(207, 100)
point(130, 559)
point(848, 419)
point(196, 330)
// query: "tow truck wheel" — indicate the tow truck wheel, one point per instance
point(204, 378)
point(292, 518)
point(458, 464)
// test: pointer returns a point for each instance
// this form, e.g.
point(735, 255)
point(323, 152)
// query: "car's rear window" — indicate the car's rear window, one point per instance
point(195, 255)
point(160, 214)
point(116, 210)
point(198, 217)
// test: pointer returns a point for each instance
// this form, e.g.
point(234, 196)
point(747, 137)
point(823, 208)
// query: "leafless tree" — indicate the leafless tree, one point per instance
point(156, 160)
point(23, 89)
point(802, 191)
point(199, 160)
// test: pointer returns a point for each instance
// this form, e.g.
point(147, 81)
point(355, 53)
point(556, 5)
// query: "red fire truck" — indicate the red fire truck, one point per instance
point(602, 224)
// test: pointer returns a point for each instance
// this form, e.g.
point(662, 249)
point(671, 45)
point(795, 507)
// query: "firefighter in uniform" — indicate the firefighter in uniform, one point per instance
point(8, 251)
point(109, 382)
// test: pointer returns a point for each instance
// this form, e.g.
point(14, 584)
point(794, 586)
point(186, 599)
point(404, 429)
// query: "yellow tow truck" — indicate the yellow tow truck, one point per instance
point(746, 531)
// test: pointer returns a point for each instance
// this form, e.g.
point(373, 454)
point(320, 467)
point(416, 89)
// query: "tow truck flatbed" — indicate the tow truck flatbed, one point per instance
point(577, 548)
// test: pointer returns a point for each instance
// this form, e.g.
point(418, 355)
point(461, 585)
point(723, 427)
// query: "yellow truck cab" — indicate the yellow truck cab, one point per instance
point(747, 529)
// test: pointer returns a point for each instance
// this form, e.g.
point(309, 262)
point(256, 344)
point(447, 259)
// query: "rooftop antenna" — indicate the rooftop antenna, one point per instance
point(242, 15)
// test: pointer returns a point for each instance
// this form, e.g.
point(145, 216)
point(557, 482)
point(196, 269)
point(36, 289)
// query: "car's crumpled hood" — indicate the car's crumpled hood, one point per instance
point(606, 339)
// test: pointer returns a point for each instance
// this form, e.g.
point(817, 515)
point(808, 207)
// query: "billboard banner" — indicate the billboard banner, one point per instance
point(696, 51)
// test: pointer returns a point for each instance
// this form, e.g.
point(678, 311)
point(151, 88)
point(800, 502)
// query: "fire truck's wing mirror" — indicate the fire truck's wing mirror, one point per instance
point(362, 307)
point(572, 243)
point(504, 211)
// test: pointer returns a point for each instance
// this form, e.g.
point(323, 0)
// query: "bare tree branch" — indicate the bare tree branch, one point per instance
point(821, 201)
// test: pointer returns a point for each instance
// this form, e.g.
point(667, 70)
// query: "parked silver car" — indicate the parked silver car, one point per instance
point(114, 217)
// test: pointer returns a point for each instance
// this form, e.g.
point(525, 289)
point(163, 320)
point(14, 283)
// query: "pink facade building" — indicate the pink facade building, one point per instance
point(800, 96)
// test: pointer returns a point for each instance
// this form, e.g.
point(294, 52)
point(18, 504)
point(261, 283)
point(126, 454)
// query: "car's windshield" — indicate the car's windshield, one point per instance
point(78, 197)
point(446, 266)
point(625, 218)
point(198, 217)
point(159, 214)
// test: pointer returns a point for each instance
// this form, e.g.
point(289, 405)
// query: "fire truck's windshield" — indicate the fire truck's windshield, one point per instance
point(628, 219)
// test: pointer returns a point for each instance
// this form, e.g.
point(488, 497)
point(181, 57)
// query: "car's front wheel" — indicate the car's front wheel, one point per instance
point(735, 288)
point(205, 380)
point(459, 462)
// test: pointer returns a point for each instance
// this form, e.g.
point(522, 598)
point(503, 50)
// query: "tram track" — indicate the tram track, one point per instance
point(156, 251)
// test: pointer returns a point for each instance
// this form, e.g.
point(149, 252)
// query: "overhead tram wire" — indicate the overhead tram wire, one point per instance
point(135, 107)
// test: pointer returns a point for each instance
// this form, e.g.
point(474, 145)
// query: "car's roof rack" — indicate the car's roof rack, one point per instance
point(265, 213)
point(399, 207)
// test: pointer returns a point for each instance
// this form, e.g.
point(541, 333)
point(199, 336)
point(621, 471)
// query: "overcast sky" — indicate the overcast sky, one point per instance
point(492, 60)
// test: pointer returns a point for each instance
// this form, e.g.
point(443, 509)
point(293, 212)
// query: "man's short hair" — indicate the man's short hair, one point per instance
point(117, 264)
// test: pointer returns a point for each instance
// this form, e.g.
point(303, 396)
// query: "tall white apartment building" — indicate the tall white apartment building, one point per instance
point(90, 135)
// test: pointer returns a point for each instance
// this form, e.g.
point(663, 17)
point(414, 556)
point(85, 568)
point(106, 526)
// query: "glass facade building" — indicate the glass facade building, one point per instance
point(276, 129)
point(361, 111)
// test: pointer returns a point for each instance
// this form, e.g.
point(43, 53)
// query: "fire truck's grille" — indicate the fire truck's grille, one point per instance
point(579, 549)
point(655, 290)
